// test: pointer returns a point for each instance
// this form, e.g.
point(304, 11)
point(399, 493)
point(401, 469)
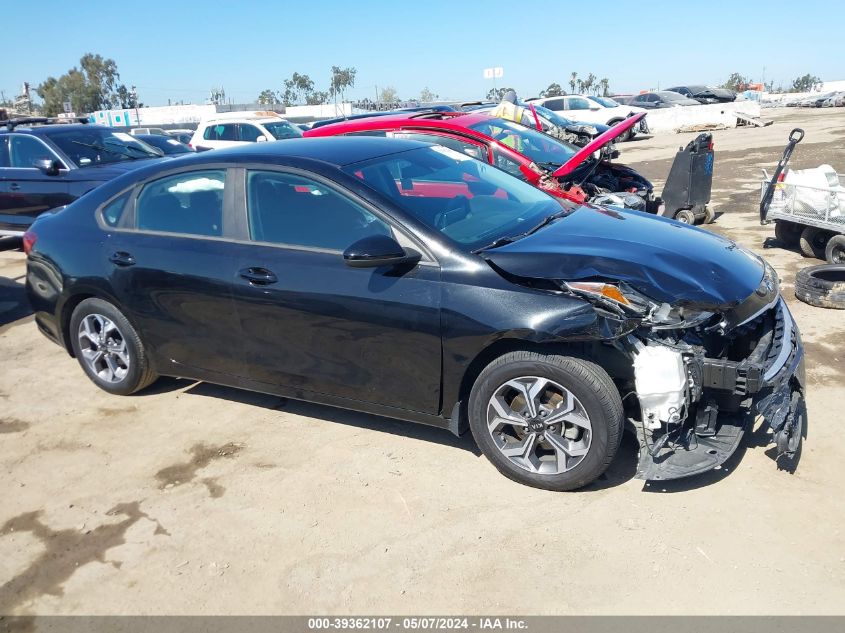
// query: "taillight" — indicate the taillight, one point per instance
point(29, 239)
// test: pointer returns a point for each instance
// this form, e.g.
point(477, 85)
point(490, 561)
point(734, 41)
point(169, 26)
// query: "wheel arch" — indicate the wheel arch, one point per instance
point(79, 295)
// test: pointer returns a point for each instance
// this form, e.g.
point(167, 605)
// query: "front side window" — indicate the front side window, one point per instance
point(297, 211)
point(471, 202)
point(25, 150)
point(577, 103)
point(249, 132)
point(189, 203)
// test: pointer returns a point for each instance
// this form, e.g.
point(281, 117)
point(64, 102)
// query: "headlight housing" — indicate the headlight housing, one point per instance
point(627, 302)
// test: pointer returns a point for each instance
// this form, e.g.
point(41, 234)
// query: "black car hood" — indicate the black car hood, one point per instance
point(663, 259)
point(719, 93)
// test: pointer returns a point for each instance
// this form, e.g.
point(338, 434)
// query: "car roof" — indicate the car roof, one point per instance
point(450, 121)
point(41, 129)
point(334, 150)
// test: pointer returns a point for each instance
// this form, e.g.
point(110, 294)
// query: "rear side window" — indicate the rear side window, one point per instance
point(189, 203)
point(221, 132)
point(113, 211)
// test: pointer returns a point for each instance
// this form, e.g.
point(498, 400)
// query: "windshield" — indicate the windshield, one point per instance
point(540, 148)
point(605, 101)
point(672, 96)
point(471, 202)
point(94, 145)
point(553, 117)
point(166, 144)
point(282, 130)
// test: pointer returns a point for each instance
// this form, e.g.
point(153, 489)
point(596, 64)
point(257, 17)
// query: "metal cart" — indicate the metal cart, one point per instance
point(810, 217)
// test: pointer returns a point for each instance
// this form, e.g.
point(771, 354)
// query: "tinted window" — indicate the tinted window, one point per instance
point(554, 104)
point(4, 151)
point(114, 209)
point(470, 149)
point(297, 211)
point(249, 132)
point(281, 130)
point(190, 203)
point(98, 145)
point(577, 103)
point(221, 132)
point(25, 150)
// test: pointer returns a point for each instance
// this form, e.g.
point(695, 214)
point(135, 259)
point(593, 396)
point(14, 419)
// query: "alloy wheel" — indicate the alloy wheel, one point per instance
point(103, 348)
point(539, 425)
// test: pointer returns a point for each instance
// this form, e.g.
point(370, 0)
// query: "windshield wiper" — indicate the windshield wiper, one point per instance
point(137, 149)
point(103, 148)
point(513, 238)
point(549, 165)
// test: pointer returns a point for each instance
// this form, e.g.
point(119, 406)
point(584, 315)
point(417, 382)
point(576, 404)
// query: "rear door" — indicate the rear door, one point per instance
point(172, 266)
point(311, 322)
point(27, 191)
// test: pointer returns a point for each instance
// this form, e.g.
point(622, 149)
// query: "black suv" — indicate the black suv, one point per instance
point(44, 165)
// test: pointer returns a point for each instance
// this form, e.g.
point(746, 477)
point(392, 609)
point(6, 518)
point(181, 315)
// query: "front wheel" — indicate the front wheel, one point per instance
point(108, 348)
point(546, 420)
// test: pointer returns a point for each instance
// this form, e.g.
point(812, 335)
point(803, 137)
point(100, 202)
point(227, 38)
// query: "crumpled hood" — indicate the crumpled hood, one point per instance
point(663, 259)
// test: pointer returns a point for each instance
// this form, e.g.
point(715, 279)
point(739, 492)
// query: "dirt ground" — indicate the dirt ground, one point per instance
point(195, 499)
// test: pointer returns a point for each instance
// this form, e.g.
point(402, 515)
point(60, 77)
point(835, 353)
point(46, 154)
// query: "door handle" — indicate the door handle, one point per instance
point(122, 258)
point(14, 186)
point(258, 276)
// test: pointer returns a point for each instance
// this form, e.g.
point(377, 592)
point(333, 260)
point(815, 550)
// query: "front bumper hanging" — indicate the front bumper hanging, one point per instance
point(770, 381)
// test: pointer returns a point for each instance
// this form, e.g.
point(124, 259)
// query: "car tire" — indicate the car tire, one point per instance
point(108, 348)
point(813, 242)
point(822, 286)
point(834, 252)
point(584, 427)
point(685, 216)
point(788, 233)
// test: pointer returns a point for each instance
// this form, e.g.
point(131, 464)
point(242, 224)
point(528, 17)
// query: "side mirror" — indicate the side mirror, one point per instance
point(261, 139)
point(378, 250)
point(49, 166)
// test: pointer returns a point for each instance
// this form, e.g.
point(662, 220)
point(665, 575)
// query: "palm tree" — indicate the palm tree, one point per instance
point(572, 80)
point(605, 86)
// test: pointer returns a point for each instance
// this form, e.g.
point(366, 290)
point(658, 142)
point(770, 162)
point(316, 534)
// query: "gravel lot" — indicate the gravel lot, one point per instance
point(196, 499)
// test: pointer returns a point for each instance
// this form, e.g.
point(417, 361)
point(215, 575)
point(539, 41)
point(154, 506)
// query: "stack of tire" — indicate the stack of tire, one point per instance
point(822, 286)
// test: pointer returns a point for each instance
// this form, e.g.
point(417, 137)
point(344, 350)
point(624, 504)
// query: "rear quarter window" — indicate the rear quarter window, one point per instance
point(113, 211)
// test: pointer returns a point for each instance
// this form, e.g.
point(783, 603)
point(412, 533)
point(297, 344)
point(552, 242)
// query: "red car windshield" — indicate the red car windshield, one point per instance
point(540, 148)
point(471, 202)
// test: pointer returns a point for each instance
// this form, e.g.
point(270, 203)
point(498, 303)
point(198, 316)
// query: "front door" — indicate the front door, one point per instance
point(27, 191)
point(311, 322)
point(172, 268)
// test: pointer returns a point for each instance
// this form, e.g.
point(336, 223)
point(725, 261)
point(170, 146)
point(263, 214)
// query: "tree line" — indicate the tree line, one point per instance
point(804, 83)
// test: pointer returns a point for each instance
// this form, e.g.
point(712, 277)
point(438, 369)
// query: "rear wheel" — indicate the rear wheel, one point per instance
point(788, 233)
point(108, 348)
point(545, 420)
point(813, 242)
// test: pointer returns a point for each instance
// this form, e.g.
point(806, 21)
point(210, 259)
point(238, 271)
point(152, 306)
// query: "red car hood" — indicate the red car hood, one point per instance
point(597, 143)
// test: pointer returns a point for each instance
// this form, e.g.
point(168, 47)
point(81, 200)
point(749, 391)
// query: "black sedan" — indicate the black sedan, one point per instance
point(167, 145)
point(406, 279)
point(661, 99)
point(705, 94)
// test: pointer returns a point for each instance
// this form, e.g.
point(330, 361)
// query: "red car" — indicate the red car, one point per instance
point(552, 165)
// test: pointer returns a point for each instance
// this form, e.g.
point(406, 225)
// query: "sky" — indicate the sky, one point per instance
point(180, 49)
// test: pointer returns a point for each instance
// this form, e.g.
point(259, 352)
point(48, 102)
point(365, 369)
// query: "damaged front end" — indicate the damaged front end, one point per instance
point(700, 377)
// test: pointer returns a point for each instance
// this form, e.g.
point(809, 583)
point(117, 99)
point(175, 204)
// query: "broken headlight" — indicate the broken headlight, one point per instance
point(626, 301)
